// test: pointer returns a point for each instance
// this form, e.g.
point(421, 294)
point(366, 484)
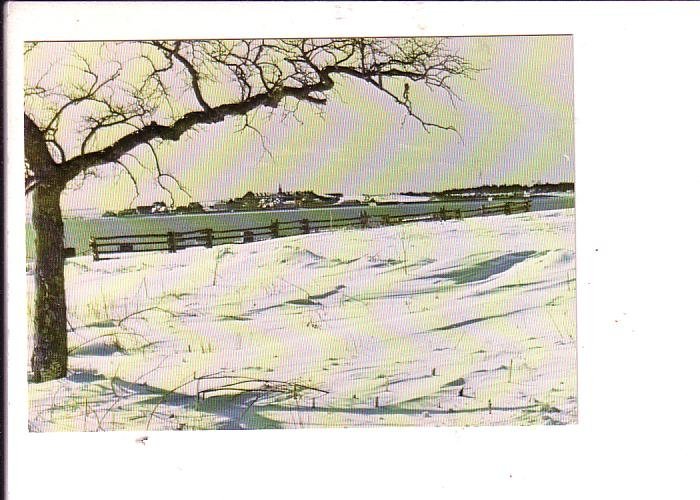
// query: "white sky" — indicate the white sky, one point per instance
point(515, 124)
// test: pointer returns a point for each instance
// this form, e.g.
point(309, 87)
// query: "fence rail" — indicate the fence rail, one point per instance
point(174, 241)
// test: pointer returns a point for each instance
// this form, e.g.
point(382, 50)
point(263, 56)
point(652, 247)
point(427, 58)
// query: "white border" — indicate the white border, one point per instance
point(637, 109)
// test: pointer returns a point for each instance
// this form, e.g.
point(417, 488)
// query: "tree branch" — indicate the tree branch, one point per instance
point(133, 180)
point(160, 176)
point(110, 154)
point(262, 72)
point(194, 74)
point(406, 104)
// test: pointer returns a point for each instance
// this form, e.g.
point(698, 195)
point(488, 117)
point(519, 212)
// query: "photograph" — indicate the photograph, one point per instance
point(291, 233)
point(416, 249)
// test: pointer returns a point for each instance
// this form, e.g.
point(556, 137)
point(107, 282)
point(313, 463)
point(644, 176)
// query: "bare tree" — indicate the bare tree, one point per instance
point(106, 104)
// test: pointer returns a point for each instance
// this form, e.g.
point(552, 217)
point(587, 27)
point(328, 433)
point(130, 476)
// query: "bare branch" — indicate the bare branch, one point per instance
point(404, 103)
point(156, 91)
point(133, 181)
point(248, 125)
point(29, 46)
point(160, 175)
point(194, 74)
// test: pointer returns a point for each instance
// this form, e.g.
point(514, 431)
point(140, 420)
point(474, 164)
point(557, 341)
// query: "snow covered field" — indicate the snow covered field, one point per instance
point(455, 323)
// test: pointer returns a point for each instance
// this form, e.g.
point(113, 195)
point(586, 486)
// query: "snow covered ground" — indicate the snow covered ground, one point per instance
point(396, 198)
point(456, 323)
point(386, 198)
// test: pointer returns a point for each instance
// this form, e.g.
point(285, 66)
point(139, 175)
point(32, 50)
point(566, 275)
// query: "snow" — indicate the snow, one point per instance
point(384, 198)
point(566, 194)
point(456, 323)
point(398, 198)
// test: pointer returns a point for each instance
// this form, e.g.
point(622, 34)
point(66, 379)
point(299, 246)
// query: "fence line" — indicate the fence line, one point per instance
point(173, 241)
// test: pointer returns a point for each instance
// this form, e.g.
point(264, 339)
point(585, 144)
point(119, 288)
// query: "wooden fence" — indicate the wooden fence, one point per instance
point(174, 241)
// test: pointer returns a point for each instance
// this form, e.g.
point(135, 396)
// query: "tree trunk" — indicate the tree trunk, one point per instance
point(50, 356)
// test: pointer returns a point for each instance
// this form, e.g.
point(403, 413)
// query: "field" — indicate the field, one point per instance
point(456, 323)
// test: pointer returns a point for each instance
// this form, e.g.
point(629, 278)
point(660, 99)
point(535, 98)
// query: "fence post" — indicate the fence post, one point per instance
point(364, 219)
point(208, 238)
point(275, 228)
point(95, 249)
point(305, 228)
point(172, 247)
point(506, 209)
point(443, 213)
point(458, 213)
point(248, 237)
point(386, 220)
point(483, 209)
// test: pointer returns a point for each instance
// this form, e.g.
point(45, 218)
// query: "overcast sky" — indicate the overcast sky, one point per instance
point(515, 124)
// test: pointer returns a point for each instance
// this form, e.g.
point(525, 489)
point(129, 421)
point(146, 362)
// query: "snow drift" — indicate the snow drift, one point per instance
point(463, 322)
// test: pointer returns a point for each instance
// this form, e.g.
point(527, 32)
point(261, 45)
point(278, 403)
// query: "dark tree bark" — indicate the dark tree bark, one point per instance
point(50, 356)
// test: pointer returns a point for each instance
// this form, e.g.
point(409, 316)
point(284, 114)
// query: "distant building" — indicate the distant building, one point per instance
point(278, 200)
point(159, 208)
point(350, 203)
point(191, 208)
point(248, 200)
point(224, 206)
